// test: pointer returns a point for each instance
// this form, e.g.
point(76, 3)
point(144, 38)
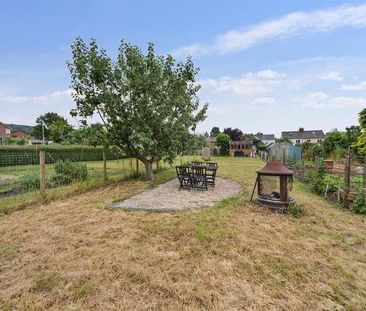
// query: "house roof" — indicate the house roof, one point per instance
point(266, 137)
point(7, 126)
point(19, 134)
point(275, 169)
point(312, 134)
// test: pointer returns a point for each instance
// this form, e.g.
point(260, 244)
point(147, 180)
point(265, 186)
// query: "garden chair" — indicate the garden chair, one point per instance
point(199, 176)
point(196, 163)
point(184, 177)
point(211, 173)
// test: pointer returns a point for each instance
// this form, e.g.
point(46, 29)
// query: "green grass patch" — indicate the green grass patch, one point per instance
point(7, 250)
point(48, 281)
point(82, 290)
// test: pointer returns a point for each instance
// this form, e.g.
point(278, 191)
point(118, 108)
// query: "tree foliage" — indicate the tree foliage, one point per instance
point(234, 134)
point(214, 131)
point(148, 103)
point(360, 144)
point(283, 140)
point(61, 131)
point(362, 118)
point(223, 142)
point(334, 140)
point(48, 118)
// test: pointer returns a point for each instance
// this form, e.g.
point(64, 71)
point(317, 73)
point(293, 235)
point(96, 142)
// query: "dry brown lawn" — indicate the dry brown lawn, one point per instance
point(73, 254)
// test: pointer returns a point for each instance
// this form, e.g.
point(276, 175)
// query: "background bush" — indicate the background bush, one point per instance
point(56, 180)
point(30, 181)
point(359, 204)
point(75, 171)
point(334, 182)
point(65, 173)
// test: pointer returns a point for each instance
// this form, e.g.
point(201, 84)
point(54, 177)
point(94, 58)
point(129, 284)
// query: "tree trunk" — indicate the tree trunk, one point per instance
point(149, 169)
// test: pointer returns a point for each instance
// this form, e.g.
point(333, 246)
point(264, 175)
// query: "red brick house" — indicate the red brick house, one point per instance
point(5, 131)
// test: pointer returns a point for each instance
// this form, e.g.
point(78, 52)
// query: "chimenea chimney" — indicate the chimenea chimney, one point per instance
point(301, 130)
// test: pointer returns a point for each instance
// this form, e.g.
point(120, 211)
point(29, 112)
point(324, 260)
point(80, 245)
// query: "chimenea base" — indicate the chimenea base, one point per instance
point(275, 204)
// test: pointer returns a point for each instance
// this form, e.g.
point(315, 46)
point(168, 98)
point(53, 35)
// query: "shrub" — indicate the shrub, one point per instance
point(223, 142)
point(297, 210)
point(59, 180)
point(309, 164)
point(359, 204)
point(309, 176)
point(317, 179)
point(75, 171)
point(15, 141)
point(357, 182)
point(30, 181)
point(334, 182)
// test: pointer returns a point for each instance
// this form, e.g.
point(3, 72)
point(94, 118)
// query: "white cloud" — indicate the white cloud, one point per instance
point(332, 76)
point(321, 100)
point(290, 25)
point(192, 49)
point(241, 86)
point(354, 87)
point(270, 74)
point(249, 84)
point(53, 97)
point(262, 102)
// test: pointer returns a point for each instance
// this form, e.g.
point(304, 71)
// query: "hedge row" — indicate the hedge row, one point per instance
point(23, 155)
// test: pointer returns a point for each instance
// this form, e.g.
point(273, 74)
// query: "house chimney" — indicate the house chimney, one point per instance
point(301, 130)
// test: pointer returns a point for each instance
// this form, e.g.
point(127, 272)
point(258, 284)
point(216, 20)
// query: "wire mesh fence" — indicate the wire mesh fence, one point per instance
point(24, 155)
point(67, 169)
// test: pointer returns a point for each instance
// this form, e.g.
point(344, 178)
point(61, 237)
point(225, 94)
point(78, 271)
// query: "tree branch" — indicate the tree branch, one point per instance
point(101, 116)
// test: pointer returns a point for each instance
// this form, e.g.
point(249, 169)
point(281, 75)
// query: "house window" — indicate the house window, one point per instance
point(308, 140)
point(298, 141)
point(7, 131)
point(319, 140)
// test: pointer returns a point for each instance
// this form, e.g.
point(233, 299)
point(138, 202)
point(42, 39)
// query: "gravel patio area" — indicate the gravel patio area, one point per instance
point(168, 198)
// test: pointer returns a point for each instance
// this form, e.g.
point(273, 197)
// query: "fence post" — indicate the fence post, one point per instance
point(137, 166)
point(347, 178)
point(42, 173)
point(105, 177)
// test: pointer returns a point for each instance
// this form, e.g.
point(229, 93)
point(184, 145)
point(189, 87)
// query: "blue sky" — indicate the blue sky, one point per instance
point(265, 65)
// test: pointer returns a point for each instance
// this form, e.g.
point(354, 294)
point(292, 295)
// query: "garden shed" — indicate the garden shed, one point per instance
point(284, 152)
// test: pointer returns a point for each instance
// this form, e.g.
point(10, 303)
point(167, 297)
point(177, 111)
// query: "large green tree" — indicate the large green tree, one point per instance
point(335, 140)
point(48, 119)
point(61, 131)
point(148, 104)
